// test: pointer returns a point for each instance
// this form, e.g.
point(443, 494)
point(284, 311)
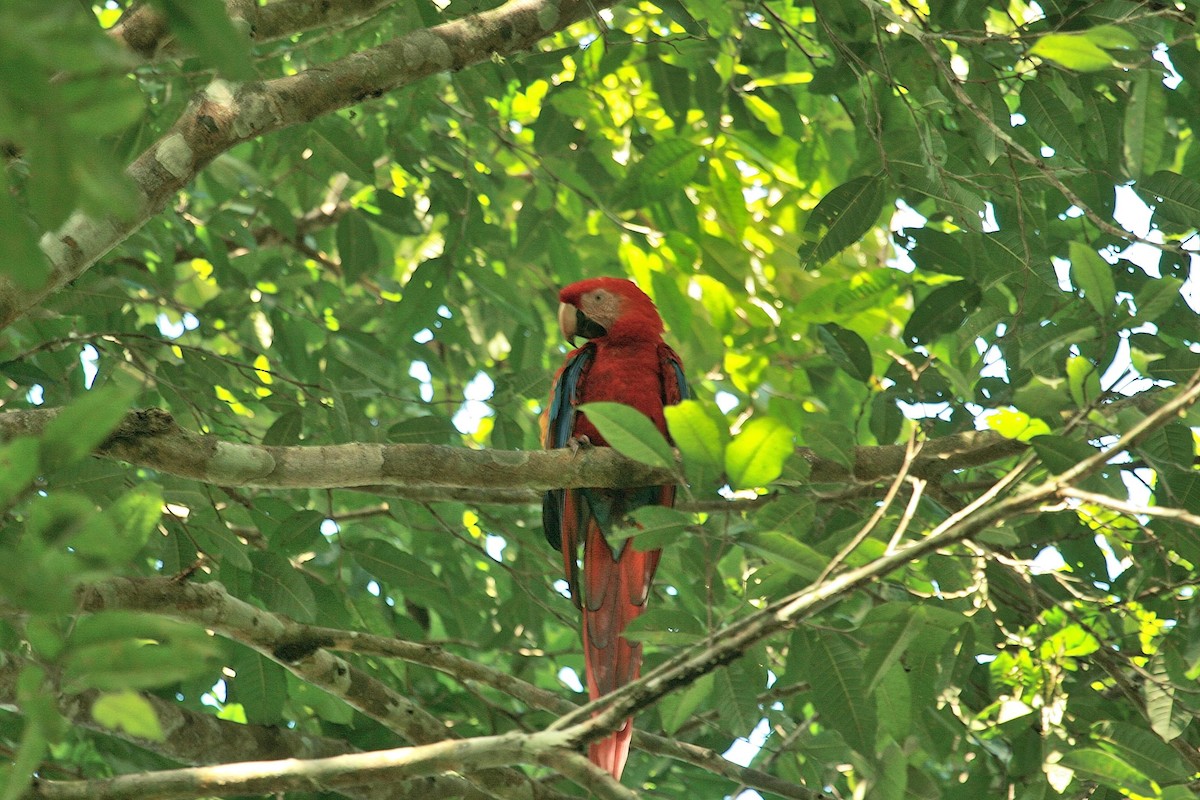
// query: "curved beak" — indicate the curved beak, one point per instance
point(568, 321)
point(573, 322)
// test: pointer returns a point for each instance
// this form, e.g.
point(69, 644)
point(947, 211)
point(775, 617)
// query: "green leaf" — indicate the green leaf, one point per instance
point(130, 521)
point(116, 650)
point(1083, 381)
point(1142, 750)
point(282, 588)
point(1168, 717)
point(1059, 453)
point(847, 349)
point(942, 311)
point(830, 440)
point(678, 708)
point(654, 527)
point(757, 454)
point(82, 426)
point(128, 712)
point(838, 692)
point(1106, 768)
point(18, 467)
point(665, 628)
point(1155, 298)
point(665, 169)
point(697, 433)
point(841, 218)
point(630, 433)
point(791, 513)
point(1175, 198)
point(205, 27)
point(1145, 117)
point(785, 551)
point(1051, 118)
point(399, 570)
point(1093, 276)
point(1073, 51)
point(356, 247)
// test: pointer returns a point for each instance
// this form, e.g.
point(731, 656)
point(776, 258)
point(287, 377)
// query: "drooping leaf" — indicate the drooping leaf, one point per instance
point(630, 432)
point(841, 218)
point(757, 454)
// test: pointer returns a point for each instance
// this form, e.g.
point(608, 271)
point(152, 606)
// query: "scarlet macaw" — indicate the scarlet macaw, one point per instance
point(624, 361)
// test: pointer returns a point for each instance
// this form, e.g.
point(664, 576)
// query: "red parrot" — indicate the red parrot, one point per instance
point(624, 361)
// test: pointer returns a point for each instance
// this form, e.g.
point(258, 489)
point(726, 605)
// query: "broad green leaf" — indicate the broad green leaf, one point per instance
point(1093, 275)
point(1083, 381)
point(1168, 717)
point(942, 311)
point(665, 169)
point(785, 551)
point(847, 349)
point(130, 521)
point(654, 526)
point(259, 684)
point(630, 432)
point(18, 468)
point(697, 433)
point(1106, 768)
point(757, 454)
point(282, 587)
point(1073, 51)
point(115, 650)
point(401, 571)
point(356, 247)
point(830, 440)
point(1155, 298)
point(1013, 424)
point(1059, 453)
point(838, 691)
point(736, 691)
point(1112, 37)
point(1051, 118)
point(128, 712)
point(1142, 750)
point(1176, 199)
point(666, 628)
point(676, 709)
point(83, 425)
point(1144, 120)
point(205, 27)
point(841, 218)
point(789, 513)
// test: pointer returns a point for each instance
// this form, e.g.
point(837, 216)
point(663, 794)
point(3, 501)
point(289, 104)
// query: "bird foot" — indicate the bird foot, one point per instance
point(577, 443)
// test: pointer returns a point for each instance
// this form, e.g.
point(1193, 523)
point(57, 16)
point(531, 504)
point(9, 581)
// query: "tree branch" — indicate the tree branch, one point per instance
point(225, 114)
point(210, 605)
point(143, 29)
point(151, 438)
point(288, 642)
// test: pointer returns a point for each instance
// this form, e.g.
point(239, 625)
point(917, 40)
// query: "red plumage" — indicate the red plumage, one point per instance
point(625, 361)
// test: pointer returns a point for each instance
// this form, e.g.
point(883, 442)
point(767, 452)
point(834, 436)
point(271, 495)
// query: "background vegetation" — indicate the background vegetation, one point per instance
point(278, 297)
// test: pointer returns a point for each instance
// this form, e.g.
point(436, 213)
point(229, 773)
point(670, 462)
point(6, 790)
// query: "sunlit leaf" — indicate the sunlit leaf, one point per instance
point(630, 432)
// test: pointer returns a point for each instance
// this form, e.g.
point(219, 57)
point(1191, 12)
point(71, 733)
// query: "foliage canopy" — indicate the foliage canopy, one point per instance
point(943, 248)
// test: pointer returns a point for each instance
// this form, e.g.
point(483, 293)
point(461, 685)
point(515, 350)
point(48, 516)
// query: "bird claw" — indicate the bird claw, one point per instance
point(577, 443)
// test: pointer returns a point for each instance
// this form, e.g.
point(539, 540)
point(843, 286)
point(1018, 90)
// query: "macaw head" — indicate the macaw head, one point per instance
point(612, 308)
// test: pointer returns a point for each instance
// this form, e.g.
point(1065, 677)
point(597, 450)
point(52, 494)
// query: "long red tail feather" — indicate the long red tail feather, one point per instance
point(615, 592)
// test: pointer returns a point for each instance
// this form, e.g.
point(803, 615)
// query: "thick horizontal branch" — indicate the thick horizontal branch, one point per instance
point(225, 114)
point(151, 438)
